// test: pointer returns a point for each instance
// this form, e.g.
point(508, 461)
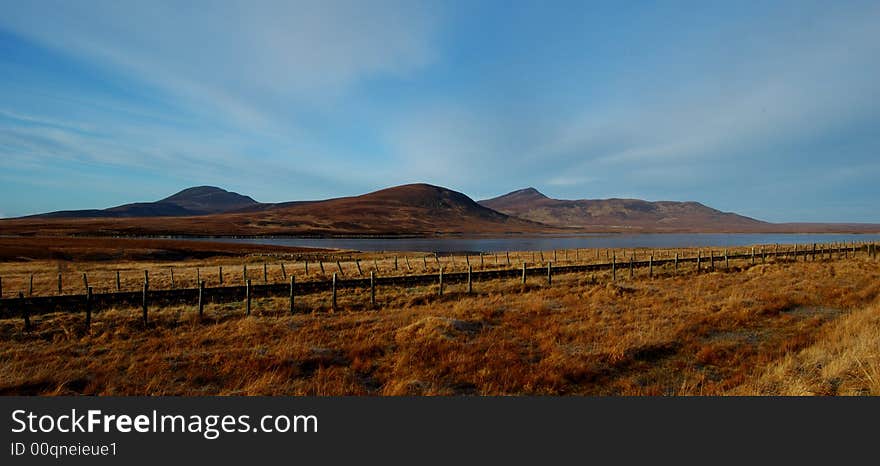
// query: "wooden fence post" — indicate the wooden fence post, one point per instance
point(1, 286)
point(88, 309)
point(523, 273)
point(201, 299)
point(307, 267)
point(372, 289)
point(144, 301)
point(244, 273)
point(467, 260)
point(395, 263)
point(425, 263)
point(555, 259)
point(613, 267)
point(284, 272)
point(481, 260)
point(220, 274)
point(550, 272)
point(321, 263)
point(333, 299)
point(59, 283)
point(508, 257)
point(470, 283)
point(406, 260)
point(440, 292)
point(632, 260)
point(712, 260)
point(292, 293)
point(25, 312)
point(753, 255)
point(699, 258)
point(265, 273)
point(172, 278)
point(675, 265)
point(339, 267)
point(357, 262)
point(726, 260)
point(31, 286)
point(651, 266)
point(85, 282)
point(247, 297)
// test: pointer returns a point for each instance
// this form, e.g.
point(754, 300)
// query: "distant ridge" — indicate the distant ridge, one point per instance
point(618, 214)
point(199, 200)
point(414, 209)
point(408, 210)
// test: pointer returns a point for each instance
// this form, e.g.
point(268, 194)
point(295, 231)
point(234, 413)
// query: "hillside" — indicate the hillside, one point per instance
point(415, 209)
point(200, 200)
point(408, 210)
point(620, 214)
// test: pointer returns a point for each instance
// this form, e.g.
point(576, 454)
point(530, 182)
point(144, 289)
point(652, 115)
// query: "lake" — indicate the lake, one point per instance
point(535, 243)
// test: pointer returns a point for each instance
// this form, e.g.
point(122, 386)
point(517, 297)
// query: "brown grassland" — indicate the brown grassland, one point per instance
point(784, 327)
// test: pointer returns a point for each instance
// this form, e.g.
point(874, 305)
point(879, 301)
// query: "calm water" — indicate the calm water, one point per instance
point(535, 243)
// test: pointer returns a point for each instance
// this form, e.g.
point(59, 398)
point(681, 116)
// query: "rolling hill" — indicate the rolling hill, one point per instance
point(414, 209)
point(408, 210)
point(620, 214)
point(199, 200)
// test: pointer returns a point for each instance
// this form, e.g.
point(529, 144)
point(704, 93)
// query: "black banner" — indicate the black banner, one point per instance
point(456, 430)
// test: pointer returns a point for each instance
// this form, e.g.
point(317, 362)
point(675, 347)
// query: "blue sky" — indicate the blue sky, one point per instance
point(769, 109)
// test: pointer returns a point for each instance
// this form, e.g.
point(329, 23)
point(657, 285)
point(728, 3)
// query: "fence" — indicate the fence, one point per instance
point(26, 306)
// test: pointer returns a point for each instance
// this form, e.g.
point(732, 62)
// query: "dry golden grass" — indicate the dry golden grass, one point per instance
point(786, 327)
point(843, 360)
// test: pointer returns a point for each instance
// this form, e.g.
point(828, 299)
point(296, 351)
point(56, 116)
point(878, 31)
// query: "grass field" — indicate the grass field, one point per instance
point(783, 327)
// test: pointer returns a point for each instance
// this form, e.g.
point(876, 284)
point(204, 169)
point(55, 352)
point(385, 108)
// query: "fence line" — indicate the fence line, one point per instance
point(32, 305)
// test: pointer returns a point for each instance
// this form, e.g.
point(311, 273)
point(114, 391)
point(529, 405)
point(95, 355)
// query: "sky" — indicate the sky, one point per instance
point(767, 109)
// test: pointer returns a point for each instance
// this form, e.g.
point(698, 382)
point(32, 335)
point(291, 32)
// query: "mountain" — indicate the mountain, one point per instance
point(619, 214)
point(414, 209)
point(200, 200)
point(408, 210)
point(208, 200)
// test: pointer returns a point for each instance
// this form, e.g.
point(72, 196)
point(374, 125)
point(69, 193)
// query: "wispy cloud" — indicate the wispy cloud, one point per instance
point(730, 121)
point(287, 100)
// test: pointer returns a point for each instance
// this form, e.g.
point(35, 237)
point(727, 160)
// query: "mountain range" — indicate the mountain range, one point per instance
point(199, 200)
point(408, 210)
point(617, 214)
